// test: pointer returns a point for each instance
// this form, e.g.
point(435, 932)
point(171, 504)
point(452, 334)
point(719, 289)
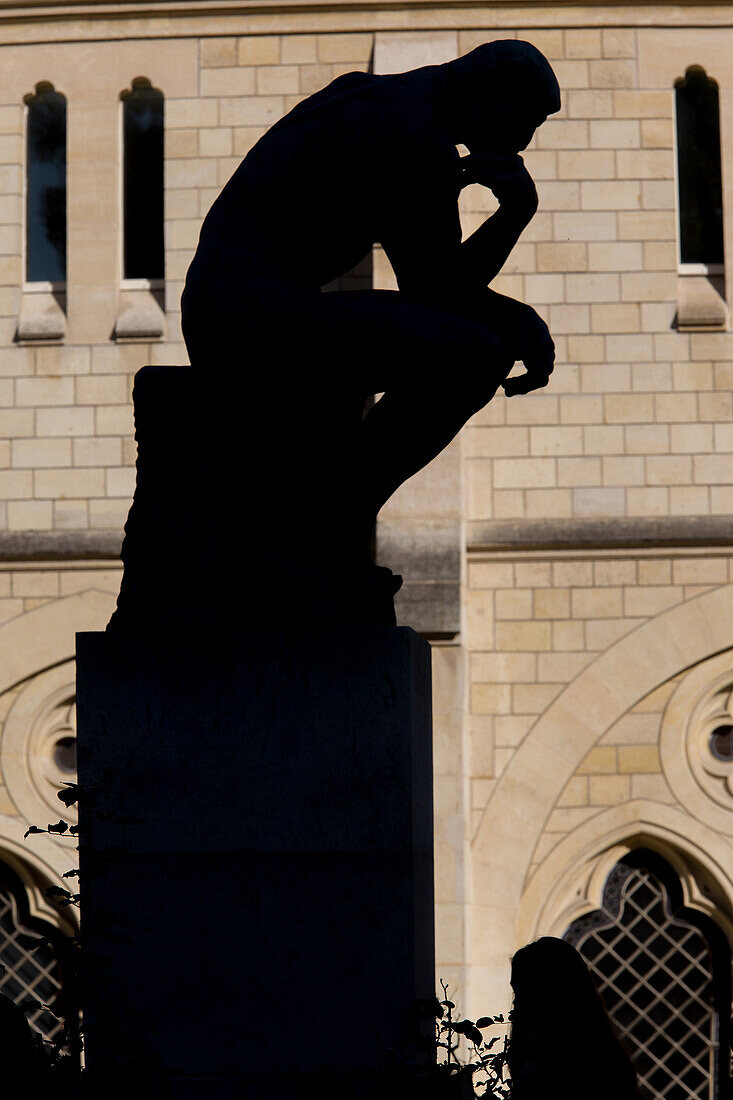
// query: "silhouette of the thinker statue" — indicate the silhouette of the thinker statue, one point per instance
point(262, 468)
point(562, 1040)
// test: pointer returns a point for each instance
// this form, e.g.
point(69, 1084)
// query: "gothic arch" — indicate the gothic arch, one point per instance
point(46, 636)
point(569, 882)
point(532, 782)
point(39, 863)
point(31, 643)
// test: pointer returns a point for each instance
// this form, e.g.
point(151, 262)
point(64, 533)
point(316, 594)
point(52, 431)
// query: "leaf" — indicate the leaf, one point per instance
point(70, 795)
point(73, 873)
point(32, 829)
point(59, 827)
point(448, 1004)
point(474, 1035)
point(484, 1021)
point(56, 892)
point(499, 1019)
point(74, 830)
point(465, 1027)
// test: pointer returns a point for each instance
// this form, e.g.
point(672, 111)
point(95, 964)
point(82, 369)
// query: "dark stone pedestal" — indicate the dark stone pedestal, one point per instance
point(256, 859)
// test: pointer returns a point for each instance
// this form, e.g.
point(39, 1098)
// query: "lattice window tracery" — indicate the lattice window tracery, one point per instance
point(664, 975)
point(30, 963)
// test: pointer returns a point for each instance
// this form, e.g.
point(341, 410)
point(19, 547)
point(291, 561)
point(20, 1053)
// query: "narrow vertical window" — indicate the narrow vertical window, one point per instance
point(698, 168)
point(699, 202)
point(46, 186)
point(142, 136)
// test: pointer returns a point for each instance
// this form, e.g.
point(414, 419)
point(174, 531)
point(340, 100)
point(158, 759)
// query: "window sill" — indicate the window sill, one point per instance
point(140, 312)
point(42, 316)
point(701, 306)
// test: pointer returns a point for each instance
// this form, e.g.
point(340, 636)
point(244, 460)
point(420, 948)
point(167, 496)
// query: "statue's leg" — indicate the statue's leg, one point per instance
point(434, 368)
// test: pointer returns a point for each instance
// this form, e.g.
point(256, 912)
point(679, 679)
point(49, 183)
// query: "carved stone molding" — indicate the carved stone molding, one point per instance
point(696, 742)
point(39, 745)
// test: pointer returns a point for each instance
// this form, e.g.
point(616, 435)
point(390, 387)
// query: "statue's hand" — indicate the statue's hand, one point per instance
point(529, 339)
point(505, 175)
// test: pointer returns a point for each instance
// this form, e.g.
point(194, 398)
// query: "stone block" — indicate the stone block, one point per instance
point(298, 49)
point(618, 42)
point(35, 515)
point(575, 472)
point(610, 195)
point(583, 43)
point(513, 603)
point(17, 485)
point(40, 452)
point(657, 133)
point(599, 502)
point(608, 790)
point(615, 256)
point(278, 80)
point(248, 111)
point(586, 164)
point(614, 134)
point(636, 104)
point(261, 49)
point(569, 636)
point(616, 73)
point(651, 501)
point(256, 853)
point(571, 74)
point(586, 226)
point(581, 409)
point(218, 51)
point(638, 758)
point(344, 47)
point(553, 256)
point(584, 103)
point(623, 470)
point(523, 636)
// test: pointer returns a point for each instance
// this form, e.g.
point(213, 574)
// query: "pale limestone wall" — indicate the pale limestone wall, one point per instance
point(637, 420)
point(66, 449)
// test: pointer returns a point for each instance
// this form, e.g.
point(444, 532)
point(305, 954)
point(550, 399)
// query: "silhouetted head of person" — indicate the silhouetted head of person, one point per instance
point(497, 95)
point(561, 1031)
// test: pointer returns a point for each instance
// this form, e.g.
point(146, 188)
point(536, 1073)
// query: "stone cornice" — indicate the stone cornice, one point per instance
point(633, 532)
point(50, 546)
point(67, 20)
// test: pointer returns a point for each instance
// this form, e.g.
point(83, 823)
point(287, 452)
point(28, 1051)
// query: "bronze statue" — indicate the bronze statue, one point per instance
point(279, 457)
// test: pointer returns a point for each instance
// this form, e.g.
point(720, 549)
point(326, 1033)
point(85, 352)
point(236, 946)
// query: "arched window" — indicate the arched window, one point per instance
point(142, 137)
point(46, 186)
point(698, 169)
point(700, 202)
point(664, 974)
point(31, 959)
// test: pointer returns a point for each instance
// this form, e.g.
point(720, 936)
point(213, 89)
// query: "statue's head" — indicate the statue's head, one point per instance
point(498, 94)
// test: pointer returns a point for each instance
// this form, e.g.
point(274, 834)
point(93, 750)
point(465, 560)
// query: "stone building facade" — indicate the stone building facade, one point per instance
point(570, 554)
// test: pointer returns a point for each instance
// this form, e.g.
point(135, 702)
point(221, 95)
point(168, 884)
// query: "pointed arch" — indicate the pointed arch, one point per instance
point(569, 881)
point(535, 777)
point(46, 635)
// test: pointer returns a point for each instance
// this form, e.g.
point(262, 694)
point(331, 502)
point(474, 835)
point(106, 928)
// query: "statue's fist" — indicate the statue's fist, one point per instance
point(529, 338)
point(505, 175)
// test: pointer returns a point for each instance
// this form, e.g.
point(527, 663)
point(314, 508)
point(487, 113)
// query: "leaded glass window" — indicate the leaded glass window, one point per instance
point(29, 958)
point(142, 136)
point(664, 974)
point(46, 186)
